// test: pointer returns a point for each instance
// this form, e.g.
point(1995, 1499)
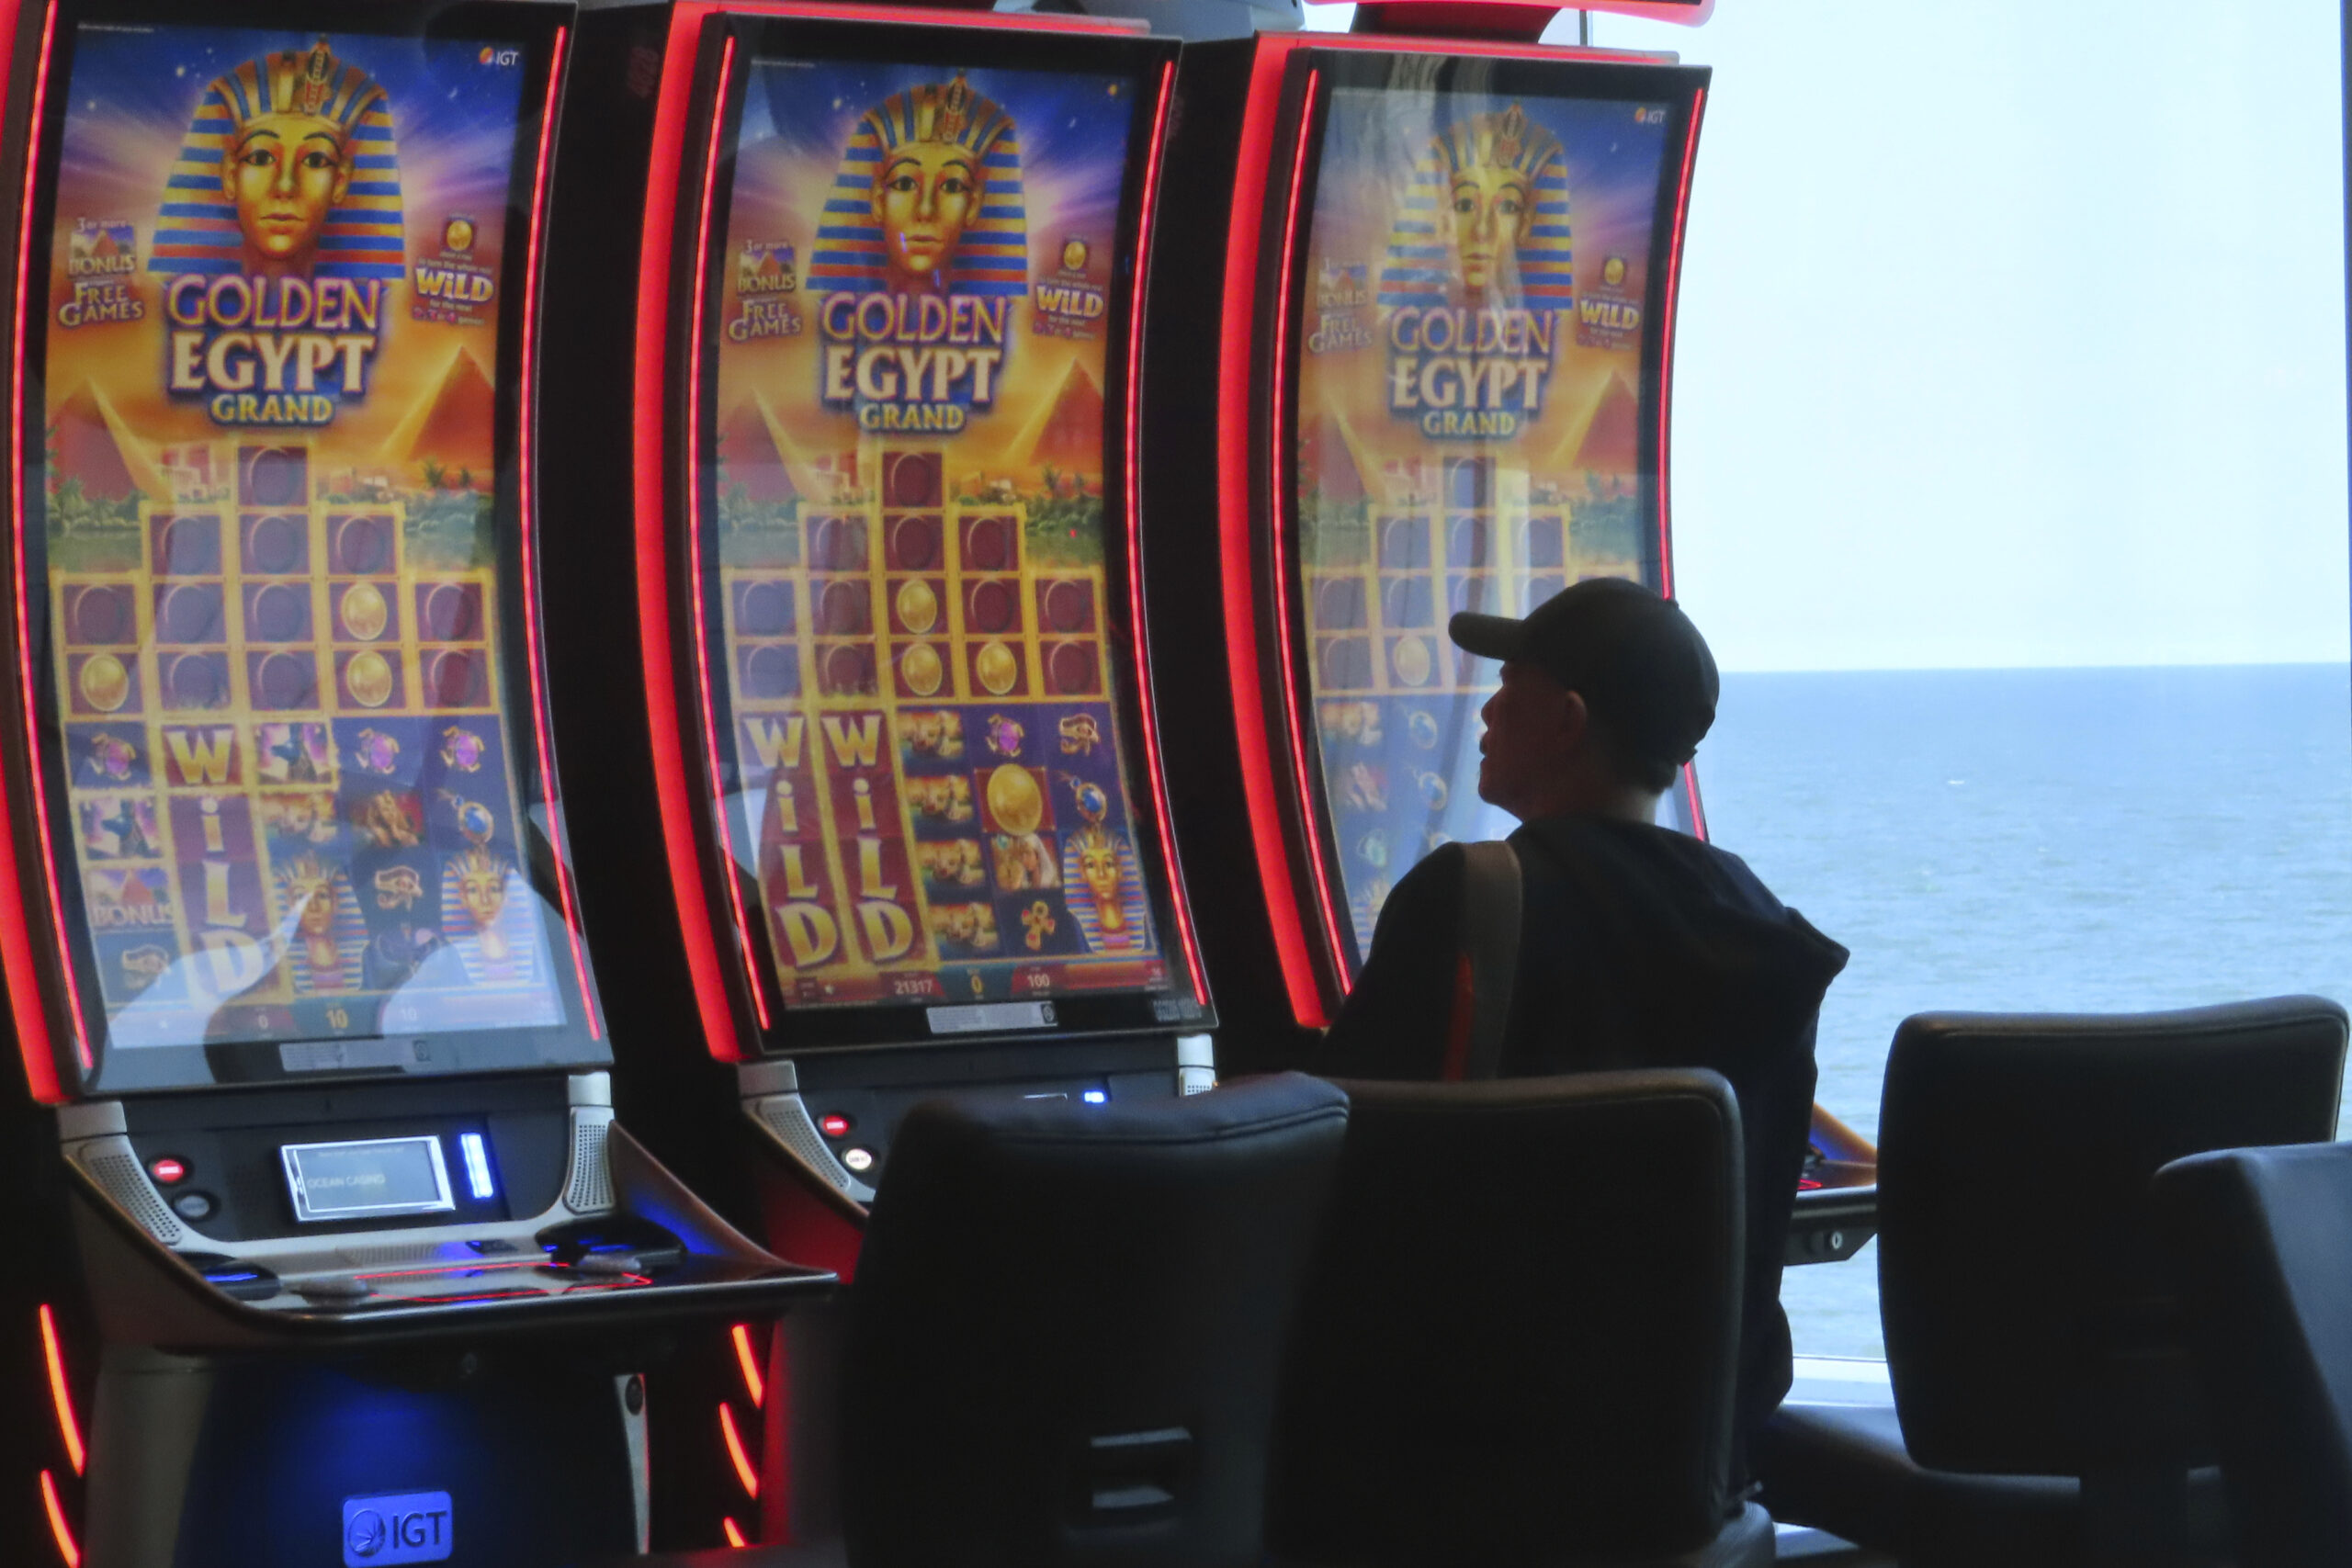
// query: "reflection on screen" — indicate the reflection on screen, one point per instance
point(903, 567)
point(1478, 275)
point(271, 369)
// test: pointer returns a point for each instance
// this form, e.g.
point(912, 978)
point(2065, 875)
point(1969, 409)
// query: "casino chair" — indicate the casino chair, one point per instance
point(1063, 1340)
point(2262, 1241)
point(2045, 1410)
point(1519, 1340)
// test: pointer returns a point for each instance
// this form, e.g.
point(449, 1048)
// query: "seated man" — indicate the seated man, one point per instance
point(1639, 946)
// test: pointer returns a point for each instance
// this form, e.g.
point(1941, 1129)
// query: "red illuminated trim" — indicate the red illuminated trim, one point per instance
point(1235, 373)
point(670, 767)
point(744, 1471)
point(1666, 358)
point(715, 776)
point(16, 936)
point(57, 1529)
point(1691, 794)
point(752, 1383)
point(734, 1533)
point(1134, 526)
point(934, 17)
point(60, 1395)
point(1279, 509)
point(530, 530)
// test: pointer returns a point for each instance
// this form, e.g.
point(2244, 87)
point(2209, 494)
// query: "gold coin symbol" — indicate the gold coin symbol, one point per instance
point(106, 685)
point(920, 666)
point(1411, 659)
point(370, 679)
point(999, 668)
point(1014, 800)
point(918, 606)
point(365, 615)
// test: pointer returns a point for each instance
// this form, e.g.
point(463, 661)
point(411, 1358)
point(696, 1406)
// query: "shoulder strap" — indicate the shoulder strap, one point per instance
point(1490, 918)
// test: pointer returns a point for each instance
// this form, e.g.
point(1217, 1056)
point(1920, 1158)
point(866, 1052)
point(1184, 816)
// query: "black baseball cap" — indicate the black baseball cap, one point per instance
point(1640, 665)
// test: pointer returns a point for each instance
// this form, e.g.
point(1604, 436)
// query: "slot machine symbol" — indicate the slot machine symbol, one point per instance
point(990, 606)
point(912, 479)
point(283, 679)
point(457, 678)
point(272, 476)
point(186, 547)
point(368, 678)
point(921, 670)
point(763, 609)
point(913, 543)
point(771, 670)
point(360, 546)
point(838, 544)
point(189, 612)
point(276, 545)
point(1067, 605)
point(449, 612)
point(277, 612)
point(101, 614)
point(916, 606)
point(989, 545)
point(845, 609)
point(997, 669)
point(362, 613)
point(195, 679)
point(103, 684)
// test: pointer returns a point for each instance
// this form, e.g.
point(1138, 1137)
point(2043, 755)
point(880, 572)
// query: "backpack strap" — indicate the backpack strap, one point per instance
point(1491, 898)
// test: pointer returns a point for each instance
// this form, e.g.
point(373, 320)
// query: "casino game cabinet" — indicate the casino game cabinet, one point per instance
point(1433, 309)
point(332, 1247)
point(868, 772)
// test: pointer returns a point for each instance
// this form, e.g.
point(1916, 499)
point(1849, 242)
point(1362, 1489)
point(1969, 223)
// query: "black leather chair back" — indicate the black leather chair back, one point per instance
point(1521, 1339)
point(2031, 1325)
point(1067, 1324)
point(2263, 1239)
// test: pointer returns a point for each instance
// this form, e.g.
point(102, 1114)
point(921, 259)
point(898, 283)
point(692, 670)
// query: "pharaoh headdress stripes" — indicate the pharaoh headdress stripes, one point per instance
point(992, 259)
point(1419, 268)
point(349, 932)
point(1137, 936)
point(196, 231)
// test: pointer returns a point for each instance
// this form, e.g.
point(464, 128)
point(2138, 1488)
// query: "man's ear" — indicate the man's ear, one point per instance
point(1572, 720)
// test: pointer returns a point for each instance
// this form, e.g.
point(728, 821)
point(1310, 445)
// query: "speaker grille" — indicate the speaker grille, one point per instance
point(592, 1180)
point(787, 1118)
point(127, 1185)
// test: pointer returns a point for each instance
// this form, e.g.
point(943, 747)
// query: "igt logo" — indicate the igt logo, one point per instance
point(408, 1527)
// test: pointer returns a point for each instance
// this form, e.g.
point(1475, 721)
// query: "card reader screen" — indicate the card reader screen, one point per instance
point(345, 1181)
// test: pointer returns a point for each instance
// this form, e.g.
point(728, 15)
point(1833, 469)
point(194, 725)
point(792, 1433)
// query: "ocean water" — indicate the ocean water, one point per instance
point(2091, 840)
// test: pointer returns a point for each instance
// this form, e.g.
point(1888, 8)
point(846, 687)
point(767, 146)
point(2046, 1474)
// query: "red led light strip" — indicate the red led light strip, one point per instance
point(1134, 527)
point(530, 530)
point(60, 1394)
point(1665, 360)
point(752, 1384)
point(671, 770)
point(1236, 370)
point(744, 1471)
point(57, 1529)
point(734, 1533)
point(1279, 510)
point(694, 538)
point(15, 937)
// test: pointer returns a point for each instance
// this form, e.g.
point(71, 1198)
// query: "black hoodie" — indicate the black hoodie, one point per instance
point(1639, 947)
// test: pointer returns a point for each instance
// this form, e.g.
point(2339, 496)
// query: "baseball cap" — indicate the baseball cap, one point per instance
point(1640, 665)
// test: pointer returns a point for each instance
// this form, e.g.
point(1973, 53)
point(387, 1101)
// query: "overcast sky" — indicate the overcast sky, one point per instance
point(2012, 333)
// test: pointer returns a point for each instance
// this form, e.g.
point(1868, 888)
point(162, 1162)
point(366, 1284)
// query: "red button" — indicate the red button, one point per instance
point(835, 1125)
point(167, 1170)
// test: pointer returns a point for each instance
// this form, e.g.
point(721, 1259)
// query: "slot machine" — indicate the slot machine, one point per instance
point(877, 779)
point(334, 1246)
point(1434, 315)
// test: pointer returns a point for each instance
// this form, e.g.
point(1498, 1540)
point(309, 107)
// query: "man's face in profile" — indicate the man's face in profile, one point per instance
point(287, 172)
point(1527, 742)
point(923, 197)
point(1489, 206)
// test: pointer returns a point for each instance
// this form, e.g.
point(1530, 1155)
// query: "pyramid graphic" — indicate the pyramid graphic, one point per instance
point(1610, 443)
point(1327, 460)
point(94, 446)
point(1069, 434)
point(754, 453)
point(455, 427)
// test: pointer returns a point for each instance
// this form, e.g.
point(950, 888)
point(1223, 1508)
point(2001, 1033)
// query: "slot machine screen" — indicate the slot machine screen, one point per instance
point(270, 519)
point(910, 544)
point(1476, 408)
